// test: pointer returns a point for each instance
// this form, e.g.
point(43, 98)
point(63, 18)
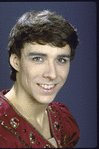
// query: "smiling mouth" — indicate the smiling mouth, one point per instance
point(47, 86)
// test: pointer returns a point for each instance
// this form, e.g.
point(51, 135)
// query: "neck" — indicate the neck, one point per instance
point(27, 106)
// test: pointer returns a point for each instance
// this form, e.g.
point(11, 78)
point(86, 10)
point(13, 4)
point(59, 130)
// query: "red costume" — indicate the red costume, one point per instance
point(17, 132)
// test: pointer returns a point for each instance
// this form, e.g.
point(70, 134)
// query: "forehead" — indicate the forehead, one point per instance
point(46, 49)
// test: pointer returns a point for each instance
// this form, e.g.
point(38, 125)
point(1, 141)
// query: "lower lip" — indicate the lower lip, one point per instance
point(47, 90)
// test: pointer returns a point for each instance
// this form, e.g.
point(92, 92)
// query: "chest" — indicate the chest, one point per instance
point(44, 129)
point(30, 134)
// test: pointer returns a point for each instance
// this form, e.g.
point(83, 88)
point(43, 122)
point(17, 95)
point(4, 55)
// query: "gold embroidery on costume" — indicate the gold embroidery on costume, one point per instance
point(14, 122)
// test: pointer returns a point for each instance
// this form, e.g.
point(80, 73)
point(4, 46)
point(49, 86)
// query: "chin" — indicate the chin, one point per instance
point(45, 100)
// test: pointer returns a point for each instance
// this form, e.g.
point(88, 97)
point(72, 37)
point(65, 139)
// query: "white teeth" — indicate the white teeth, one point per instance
point(47, 86)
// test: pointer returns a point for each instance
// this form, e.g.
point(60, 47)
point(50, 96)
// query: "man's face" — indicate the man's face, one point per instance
point(43, 70)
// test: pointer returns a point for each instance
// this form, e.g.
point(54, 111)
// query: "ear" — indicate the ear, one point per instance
point(14, 61)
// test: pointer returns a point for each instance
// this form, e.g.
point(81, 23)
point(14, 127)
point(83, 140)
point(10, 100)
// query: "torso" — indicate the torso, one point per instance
point(58, 123)
point(44, 130)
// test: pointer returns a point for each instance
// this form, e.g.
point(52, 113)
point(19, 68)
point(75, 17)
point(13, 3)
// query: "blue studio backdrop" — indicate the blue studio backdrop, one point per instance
point(79, 91)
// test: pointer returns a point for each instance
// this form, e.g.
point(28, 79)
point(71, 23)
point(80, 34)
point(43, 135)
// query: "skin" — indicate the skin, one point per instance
point(39, 64)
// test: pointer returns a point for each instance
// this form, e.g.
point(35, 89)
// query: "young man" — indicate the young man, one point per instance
point(41, 46)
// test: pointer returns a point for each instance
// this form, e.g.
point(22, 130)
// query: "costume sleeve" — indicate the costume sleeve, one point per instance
point(71, 130)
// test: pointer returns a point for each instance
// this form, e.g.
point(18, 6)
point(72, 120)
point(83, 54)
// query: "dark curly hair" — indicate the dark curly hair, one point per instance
point(42, 27)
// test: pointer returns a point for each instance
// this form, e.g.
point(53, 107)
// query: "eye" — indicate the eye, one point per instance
point(37, 59)
point(62, 60)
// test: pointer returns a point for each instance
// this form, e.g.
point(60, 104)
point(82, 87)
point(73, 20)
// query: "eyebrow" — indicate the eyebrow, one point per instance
point(63, 55)
point(37, 54)
point(45, 55)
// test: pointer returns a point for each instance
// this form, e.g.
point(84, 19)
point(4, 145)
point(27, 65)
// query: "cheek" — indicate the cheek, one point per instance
point(24, 73)
point(64, 71)
point(29, 74)
point(25, 68)
point(67, 71)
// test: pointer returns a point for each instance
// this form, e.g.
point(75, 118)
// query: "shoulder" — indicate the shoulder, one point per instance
point(70, 126)
point(64, 113)
point(4, 105)
point(8, 121)
point(61, 108)
point(3, 108)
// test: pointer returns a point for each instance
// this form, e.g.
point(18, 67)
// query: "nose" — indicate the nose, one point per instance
point(50, 71)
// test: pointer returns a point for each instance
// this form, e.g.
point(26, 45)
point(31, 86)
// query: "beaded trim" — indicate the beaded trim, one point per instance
point(60, 123)
point(59, 144)
point(15, 133)
point(47, 146)
point(32, 137)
